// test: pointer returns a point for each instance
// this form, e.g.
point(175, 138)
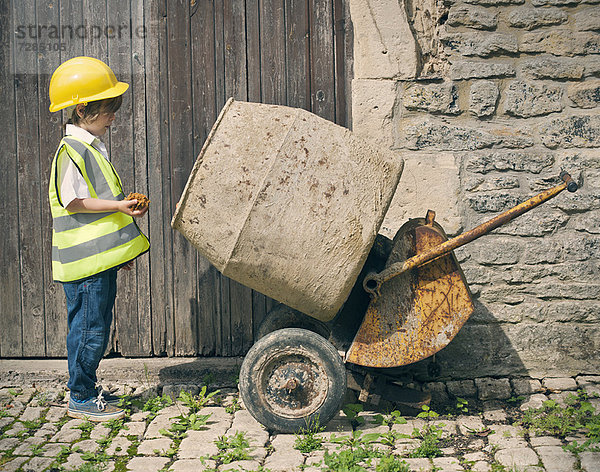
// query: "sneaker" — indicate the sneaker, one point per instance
point(108, 397)
point(94, 409)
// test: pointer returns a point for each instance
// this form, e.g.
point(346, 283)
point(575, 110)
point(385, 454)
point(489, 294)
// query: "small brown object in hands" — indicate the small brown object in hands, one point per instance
point(141, 198)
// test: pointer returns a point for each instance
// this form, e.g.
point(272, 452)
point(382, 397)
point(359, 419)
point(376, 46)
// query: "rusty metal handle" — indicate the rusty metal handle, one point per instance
point(373, 281)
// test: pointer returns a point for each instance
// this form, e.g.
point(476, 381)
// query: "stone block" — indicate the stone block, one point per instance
point(526, 386)
point(384, 46)
point(587, 19)
point(192, 465)
point(559, 3)
point(488, 252)
point(432, 98)
point(493, 389)
point(486, 184)
point(530, 99)
point(472, 17)
point(560, 384)
point(373, 110)
point(463, 70)
point(154, 447)
point(493, 3)
point(438, 392)
point(480, 44)
point(430, 182)
point(462, 388)
point(573, 131)
point(531, 18)
point(483, 97)
point(557, 68)
point(439, 135)
point(492, 202)
point(534, 162)
point(560, 42)
point(585, 94)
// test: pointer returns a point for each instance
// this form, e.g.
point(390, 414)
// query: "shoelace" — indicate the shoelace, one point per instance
point(100, 403)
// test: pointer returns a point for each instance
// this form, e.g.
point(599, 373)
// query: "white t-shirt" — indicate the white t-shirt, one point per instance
point(72, 183)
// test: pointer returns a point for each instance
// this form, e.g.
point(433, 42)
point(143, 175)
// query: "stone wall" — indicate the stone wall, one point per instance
point(487, 100)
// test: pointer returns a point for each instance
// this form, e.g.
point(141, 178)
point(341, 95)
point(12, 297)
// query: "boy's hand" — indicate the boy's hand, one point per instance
point(127, 207)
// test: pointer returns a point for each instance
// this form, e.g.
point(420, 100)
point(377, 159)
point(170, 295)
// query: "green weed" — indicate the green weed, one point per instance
point(155, 404)
point(427, 413)
point(196, 402)
point(430, 437)
point(307, 439)
point(395, 417)
point(392, 464)
point(352, 411)
point(232, 448)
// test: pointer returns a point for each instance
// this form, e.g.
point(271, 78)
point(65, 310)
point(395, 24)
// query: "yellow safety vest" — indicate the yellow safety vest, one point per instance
point(84, 244)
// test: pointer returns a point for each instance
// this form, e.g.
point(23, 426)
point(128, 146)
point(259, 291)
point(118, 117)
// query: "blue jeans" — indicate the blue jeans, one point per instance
point(89, 305)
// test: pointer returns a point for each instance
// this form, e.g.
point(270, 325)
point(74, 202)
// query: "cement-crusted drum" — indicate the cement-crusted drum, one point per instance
point(287, 203)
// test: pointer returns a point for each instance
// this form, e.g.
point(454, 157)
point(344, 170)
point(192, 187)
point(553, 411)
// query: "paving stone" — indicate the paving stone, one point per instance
point(590, 461)
point(544, 441)
point(191, 465)
point(139, 416)
point(55, 413)
point(481, 466)
point(134, 428)
point(6, 421)
point(162, 421)
point(87, 445)
point(54, 449)
point(284, 461)
point(100, 431)
point(32, 413)
point(244, 422)
point(535, 401)
point(448, 427)
point(68, 433)
point(556, 459)
point(560, 398)
point(476, 445)
point(14, 464)
point(421, 464)
point(507, 437)
point(46, 431)
point(118, 447)
point(9, 443)
point(39, 463)
point(147, 464)
point(447, 464)
point(466, 424)
point(198, 444)
point(25, 447)
point(409, 426)
point(246, 465)
point(15, 429)
point(74, 461)
point(154, 447)
point(560, 384)
point(493, 411)
point(517, 457)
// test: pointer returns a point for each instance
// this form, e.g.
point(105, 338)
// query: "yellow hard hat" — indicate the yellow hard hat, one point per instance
point(83, 79)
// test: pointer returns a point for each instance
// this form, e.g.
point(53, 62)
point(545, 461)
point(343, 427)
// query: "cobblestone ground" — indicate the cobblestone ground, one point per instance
point(164, 435)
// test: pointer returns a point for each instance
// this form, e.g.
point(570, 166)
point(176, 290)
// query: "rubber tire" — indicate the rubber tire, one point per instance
point(299, 344)
point(282, 316)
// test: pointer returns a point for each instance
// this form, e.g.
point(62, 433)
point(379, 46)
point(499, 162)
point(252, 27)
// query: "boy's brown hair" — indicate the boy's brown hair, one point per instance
point(93, 109)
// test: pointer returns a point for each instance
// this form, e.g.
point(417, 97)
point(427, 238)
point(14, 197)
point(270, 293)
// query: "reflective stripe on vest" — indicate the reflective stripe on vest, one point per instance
point(84, 244)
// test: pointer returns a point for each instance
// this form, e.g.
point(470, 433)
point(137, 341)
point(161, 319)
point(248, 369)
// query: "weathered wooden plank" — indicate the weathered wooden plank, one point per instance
point(272, 52)
point(182, 159)
point(341, 55)
point(50, 133)
point(253, 50)
point(29, 189)
point(11, 340)
point(205, 113)
point(122, 156)
point(159, 230)
point(140, 159)
point(322, 59)
point(297, 54)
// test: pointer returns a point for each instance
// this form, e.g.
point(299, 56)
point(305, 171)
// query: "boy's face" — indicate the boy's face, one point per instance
point(99, 125)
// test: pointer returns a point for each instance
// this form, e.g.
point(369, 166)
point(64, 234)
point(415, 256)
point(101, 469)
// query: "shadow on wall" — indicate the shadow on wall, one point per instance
point(480, 349)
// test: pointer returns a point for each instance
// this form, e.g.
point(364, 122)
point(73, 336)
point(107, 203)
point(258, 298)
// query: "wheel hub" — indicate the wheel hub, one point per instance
point(294, 386)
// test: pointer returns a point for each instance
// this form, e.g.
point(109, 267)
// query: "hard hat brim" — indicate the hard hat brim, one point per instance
point(119, 89)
